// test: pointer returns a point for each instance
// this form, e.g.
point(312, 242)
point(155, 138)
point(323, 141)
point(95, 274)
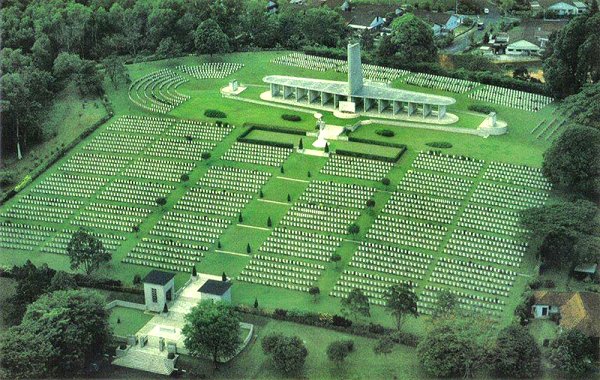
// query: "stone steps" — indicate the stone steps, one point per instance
point(146, 360)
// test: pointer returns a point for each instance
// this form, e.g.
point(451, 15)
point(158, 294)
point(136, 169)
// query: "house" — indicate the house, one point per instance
point(377, 23)
point(561, 8)
point(522, 47)
point(272, 6)
point(442, 23)
point(586, 271)
point(159, 289)
point(573, 310)
point(216, 290)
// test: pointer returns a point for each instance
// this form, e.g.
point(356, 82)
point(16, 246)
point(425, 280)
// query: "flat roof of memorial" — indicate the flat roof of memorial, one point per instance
point(158, 277)
point(215, 287)
point(367, 91)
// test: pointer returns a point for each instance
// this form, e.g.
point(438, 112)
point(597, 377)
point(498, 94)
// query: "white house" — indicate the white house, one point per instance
point(216, 290)
point(159, 289)
point(568, 8)
point(522, 47)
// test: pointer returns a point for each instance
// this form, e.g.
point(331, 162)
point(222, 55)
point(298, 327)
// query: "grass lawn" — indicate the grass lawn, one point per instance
point(252, 363)
point(519, 146)
point(67, 118)
point(125, 321)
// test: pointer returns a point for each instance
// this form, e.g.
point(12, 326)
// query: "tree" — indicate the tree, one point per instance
point(370, 203)
point(87, 251)
point(248, 249)
point(31, 283)
point(223, 277)
point(401, 301)
point(314, 291)
point(137, 279)
point(563, 223)
point(557, 248)
point(516, 354)
point(323, 26)
point(385, 181)
point(165, 309)
point(326, 148)
point(185, 177)
point(212, 329)
point(384, 346)
point(356, 304)
point(583, 108)
point(62, 281)
point(411, 40)
point(338, 350)
point(336, 258)
point(572, 353)
point(587, 250)
point(289, 197)
point(288, 353)
point(240, 218)
point(456, 347)
point(114, 68)
point(572, 161)
point(300, 145)
point(353, 229)
point(194, 271)
point(255, 303)
point(572, 56)
point(210, 39)
point(445, 304)
point(60, 335)
point(205, 155)
point(269, 222)
point(161, 201)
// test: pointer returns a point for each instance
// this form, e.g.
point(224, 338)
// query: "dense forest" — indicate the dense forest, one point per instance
point(48, 45)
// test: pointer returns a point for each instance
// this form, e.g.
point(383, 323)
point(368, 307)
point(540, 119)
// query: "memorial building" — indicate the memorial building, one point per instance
point(356, 96)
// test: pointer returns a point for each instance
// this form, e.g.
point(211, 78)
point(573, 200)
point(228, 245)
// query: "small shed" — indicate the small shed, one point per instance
point(159, 289)
point(216, 290)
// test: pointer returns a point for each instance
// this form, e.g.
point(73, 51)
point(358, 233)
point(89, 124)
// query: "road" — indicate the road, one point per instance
point(461, 43)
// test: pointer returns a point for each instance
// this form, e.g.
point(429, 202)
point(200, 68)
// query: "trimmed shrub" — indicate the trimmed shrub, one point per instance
point(291, 117)
point(482, 108)
point(385, 133)
point(439, 144)
point(215, 114)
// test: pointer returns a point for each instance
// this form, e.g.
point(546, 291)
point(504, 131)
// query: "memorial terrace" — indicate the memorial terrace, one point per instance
point(366, 98)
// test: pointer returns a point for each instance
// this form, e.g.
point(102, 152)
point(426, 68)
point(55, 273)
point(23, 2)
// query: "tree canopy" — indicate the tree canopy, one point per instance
point(411, 40)
point(573, 161)
point(572, 57)
point(571, 353)
point(60, 335)
point(516, 354)
point(288, 353)
point(87, 251)
point(456, 347)
point(356, 304)
point(212, 329)
point(210, 39)
point(401, 301)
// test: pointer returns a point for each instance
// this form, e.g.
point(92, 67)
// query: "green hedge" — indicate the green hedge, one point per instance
point(215, 114)
point(439, 144)
point(482, 108)
point(291, 117)
point(343, 152)
point(376, 142)
point(385, 132)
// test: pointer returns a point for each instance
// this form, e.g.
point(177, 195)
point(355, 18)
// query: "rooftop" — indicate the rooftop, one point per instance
point(215, 287)
point(578, 310)
point(367, 91)
point(158, 277)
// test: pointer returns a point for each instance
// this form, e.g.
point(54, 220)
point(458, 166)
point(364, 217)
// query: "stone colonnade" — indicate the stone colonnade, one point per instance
point(324, 99)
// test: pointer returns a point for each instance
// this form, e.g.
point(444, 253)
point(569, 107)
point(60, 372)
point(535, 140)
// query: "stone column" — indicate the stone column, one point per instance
point(441, 112)
point(397, 107)
point(412, 107)
point(426, 110)
point(287, 91)
point(325, 96)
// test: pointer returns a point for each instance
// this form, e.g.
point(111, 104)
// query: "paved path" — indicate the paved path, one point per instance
point(232, 253)
point(293, 179)
point(277, 203)
point(254, 227)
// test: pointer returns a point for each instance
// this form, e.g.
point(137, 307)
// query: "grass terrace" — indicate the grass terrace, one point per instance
point(445, 221)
